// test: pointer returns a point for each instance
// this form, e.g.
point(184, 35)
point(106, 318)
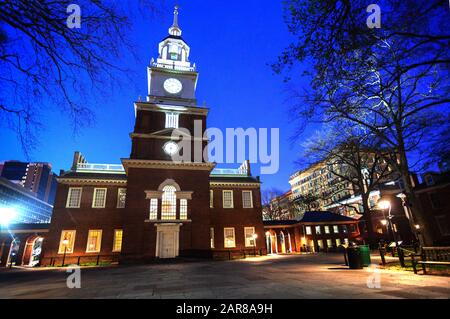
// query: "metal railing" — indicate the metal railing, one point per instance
point(88, 167)
point(173, 67)
point(228, 171)
point(79, 260)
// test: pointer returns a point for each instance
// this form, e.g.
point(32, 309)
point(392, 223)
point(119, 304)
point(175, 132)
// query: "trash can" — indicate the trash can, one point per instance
point(354, 258)
point(365, 255)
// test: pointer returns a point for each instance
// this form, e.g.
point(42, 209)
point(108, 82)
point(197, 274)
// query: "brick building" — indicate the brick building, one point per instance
point(314, 232)
point(153, 206)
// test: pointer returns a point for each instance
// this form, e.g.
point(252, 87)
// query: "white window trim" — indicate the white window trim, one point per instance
point(223, 199)
point(69, 194)
point(211, 198)
point(251, 199)
point(95, 195)
point(245, 235)
point(99, 246)
point(225, 237)
point(118, 197)
point(172, 120)
point(62, 238)
point(114, 241)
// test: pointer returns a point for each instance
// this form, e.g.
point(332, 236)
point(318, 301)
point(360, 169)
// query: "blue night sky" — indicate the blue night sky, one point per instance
point(232, 43)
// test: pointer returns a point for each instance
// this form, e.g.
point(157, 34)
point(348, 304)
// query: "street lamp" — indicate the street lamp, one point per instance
point(65, 243)
point(386, 205)
point(415, 229)
point(383, 222)
point(7, 214)
point(254, 242)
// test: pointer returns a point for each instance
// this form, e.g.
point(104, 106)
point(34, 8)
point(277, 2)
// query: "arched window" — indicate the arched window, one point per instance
point(169, 203)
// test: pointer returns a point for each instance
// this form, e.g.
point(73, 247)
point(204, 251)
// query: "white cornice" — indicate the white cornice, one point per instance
point(162, 137)
point(90, 181)
point(235, 184)
point(135, 163)
point(169, 107)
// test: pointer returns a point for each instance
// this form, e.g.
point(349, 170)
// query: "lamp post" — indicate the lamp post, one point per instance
point(415, 228)
point(254, 242)
point(65, 243)
point(386, 205)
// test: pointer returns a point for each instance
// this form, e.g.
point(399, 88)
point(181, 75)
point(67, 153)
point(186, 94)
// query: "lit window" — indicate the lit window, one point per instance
point(346, 241)
point(308, 230)
point(227, 199)
point(121, 197)
point(329, 243)
point(172, 120)
point(327, 229)
point(320, 243)
point(338, 242)
point(67, 241)
point(169, 203)
point(247, 201)
point(183, 208)
point(74, 197)
point(211, 236)
point(229, 239)
point(99, 198)
point(153, 209)
point(249, 240)
point(335, 229)
point(344, 229)
point(94, 241)
point(117, 244)
point(318, 232)
point(211, 198)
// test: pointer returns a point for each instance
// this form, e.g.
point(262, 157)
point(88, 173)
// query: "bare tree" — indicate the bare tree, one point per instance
point(273, 209)
point(391, 82)
point(356, 162)
point(45, 62)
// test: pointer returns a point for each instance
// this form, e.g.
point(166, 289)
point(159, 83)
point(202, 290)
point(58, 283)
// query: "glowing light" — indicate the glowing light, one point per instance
point(384, 204)
point(267, 233)
point(255, 236)
point(384, 222)
point(7, 214)
point(417, 227)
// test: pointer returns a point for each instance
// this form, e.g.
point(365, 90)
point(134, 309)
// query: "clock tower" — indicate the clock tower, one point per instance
point(166, 199)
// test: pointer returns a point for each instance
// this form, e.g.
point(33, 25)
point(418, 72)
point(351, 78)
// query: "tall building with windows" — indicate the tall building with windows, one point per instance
point(37, 178)
point(151, 206)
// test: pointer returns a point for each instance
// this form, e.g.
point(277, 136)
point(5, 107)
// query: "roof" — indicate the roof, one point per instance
point(325, 216)
point(312, 217)
point(99, 175)
point(280, 222)
point(237, 178)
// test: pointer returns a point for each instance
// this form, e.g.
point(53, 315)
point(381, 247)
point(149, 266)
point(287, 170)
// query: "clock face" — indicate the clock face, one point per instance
point(170, 148)
point(173, 86)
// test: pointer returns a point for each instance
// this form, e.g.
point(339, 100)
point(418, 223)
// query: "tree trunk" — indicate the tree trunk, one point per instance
point(368, 220)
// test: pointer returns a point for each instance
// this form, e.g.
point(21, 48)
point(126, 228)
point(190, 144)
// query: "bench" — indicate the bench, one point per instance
point(439, 256)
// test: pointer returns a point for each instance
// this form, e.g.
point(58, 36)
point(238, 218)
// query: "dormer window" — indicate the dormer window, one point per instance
point(172, 120)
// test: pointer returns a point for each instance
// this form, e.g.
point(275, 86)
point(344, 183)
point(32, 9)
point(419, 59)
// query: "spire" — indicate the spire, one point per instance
point(175, 29)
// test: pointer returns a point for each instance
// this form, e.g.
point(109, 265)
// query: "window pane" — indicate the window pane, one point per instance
point(169, 203)
point(247, 199)
point(229, 238)
point(211, 235)
point(172, 120)
point(211, 198)
point(121, 197)
point(94, 241)
point(183, 208)
point(99, 198)
point(153, 209)
point(66, 242)
point(308, 230)
point(74, 197)
point(249, 240)
point(318, 230)
point(117, 245)
point(227, 199)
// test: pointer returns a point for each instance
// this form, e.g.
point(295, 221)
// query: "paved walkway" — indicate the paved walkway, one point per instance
point(294, 276)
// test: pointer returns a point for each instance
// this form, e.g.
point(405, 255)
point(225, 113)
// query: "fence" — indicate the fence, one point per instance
point(80, 260)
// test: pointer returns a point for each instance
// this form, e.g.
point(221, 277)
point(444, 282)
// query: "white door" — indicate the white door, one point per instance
point(167, 244)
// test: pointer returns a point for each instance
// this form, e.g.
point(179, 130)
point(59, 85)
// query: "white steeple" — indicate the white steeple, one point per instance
point(175, 29)
point(173, 52)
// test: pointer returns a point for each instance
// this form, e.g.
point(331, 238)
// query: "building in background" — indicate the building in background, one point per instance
point(313, 232)
point(26, 206)
point(35, 177)
point(433, 193)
